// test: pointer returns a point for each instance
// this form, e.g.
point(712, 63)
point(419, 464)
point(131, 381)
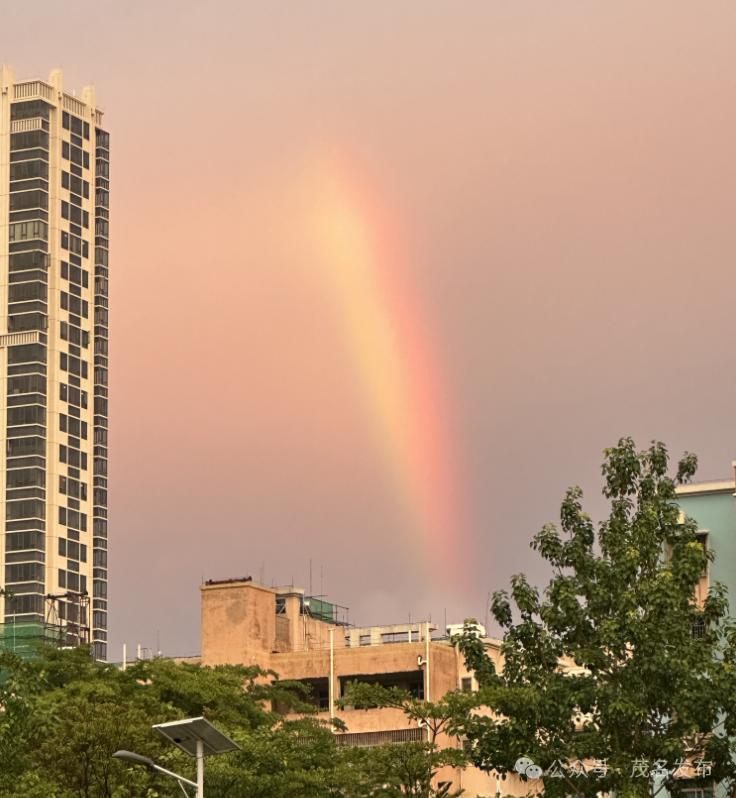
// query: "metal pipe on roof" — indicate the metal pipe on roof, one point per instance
point(331, 685)
point(426, 660)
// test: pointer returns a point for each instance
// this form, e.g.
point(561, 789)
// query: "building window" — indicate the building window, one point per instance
point(699, 627)
point(410, 681)
point(318, 692)
point(26, 231)
point(466, 684)
point(696, 790)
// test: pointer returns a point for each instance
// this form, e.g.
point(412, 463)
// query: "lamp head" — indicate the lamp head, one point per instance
point(136, 759)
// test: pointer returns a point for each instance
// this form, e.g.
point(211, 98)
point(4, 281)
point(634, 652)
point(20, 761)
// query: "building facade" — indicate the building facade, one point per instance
point(713, 506)
point(54, 228)
point(305, 639)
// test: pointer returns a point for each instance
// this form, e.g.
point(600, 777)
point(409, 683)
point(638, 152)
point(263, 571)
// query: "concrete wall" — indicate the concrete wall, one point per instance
point(369, 660)
point(238, 624)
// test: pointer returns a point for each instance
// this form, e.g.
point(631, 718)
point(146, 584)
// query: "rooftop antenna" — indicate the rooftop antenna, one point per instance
point(262, 574)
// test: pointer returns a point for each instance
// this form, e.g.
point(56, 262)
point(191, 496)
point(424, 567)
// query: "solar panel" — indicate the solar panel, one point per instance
point(186, 733)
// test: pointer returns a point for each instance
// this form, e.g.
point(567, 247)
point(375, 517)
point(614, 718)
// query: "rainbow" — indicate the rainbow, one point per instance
point(396, 363)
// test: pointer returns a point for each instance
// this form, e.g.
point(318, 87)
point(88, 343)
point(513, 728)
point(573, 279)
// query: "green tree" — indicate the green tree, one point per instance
point(67, 716)
point(293, 759)
point(63, 716)
point(605, 664)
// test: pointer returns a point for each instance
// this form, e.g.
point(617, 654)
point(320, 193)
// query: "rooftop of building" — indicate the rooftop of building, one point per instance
point(707, 486)
point(52, 90)
point(704, 487)
point(323, 609)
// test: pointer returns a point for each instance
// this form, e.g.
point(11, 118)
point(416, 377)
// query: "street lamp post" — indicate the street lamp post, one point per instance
point(138, 759)
point(196, 737)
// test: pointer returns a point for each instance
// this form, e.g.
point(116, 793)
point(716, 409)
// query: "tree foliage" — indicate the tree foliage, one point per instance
point(63, 716)
point(606, 663)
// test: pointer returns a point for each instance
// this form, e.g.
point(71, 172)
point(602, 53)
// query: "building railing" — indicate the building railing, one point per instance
point(13, 339)
point(73, 105)
point(31, 89)
point(389, 737)
point(323, 645)
point(24, 125)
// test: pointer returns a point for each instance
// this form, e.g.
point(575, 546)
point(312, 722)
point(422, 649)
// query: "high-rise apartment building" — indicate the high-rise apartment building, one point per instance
point(54, 201)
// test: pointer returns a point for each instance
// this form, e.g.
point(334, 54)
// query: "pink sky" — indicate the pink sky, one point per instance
point(561, 177)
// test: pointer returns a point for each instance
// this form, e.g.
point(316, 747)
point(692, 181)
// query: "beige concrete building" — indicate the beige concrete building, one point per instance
point(306, 639)
point(54, 200)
